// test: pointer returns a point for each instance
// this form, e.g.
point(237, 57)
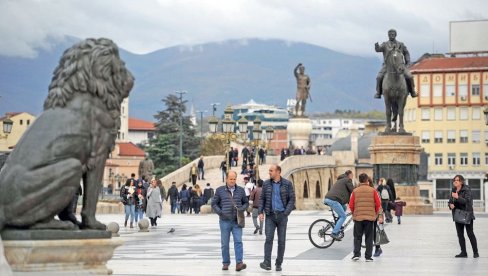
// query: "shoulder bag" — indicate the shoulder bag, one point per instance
point(462, 216)
point(241, 218)
point(381, 237)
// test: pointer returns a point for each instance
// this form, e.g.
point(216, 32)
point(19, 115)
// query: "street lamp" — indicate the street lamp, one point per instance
point(7, 126)
point(201, 123)
point(181, 125)
point(228, 130)
point(257, 138)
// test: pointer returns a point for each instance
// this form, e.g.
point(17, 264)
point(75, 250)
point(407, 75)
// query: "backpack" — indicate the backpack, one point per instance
point(385, 194)
point(184, 195)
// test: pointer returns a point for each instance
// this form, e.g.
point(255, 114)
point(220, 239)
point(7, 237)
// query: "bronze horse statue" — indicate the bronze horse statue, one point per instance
point(394, 91)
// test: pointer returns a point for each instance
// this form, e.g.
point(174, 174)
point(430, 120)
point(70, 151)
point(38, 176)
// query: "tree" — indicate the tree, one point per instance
point(164, 148)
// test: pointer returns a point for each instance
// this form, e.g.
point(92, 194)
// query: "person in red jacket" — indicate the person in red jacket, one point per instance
point(365, 205)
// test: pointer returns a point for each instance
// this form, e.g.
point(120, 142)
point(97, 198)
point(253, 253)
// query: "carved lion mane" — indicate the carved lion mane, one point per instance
point(92, 66)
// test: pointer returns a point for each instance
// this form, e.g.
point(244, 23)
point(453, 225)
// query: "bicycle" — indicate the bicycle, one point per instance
point(320, 230)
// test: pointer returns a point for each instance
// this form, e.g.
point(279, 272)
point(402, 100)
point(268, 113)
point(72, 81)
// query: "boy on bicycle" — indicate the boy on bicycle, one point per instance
point(338, 197)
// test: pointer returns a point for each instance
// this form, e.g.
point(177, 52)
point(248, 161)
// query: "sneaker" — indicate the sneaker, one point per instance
point(225, 267)
point(256, 231)
point(240, 266)
point(378, 252)
point(278, 267)
point(368, 260)
point(265, 266)
point(336, 237)
point(461, 255)
point(476, 255)
point(355, 258)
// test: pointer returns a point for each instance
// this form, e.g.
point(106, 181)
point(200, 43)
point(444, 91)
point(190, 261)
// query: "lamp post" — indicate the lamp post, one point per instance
point(214, 108)
point(181, 125)
point(228, 133)
point(7, 127)
point(201, 123)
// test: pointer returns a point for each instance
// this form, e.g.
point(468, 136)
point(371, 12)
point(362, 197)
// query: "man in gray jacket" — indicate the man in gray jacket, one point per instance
point(338, 197)
point(229, 199)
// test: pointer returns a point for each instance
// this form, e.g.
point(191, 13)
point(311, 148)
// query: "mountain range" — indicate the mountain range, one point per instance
point(228, 72)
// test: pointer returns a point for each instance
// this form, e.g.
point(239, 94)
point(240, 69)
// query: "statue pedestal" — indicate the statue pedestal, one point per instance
point(398, 157)
point(66, 256)
point(299, 130)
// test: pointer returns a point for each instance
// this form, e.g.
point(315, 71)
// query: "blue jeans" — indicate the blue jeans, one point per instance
point(201, 173)
point(173, 206)
point(139, 214)
point(227, 227)
point(129, 211)
point(275, 221)
point(341, 212)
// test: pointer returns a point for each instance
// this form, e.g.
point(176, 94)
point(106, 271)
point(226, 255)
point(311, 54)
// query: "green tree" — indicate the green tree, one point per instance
point(164, 148)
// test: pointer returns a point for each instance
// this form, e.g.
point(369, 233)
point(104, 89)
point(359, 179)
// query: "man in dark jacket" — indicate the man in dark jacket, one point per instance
point(201, 171)
point(338, 197)
point(173, 197)
point(229, 199)
point(277, 201)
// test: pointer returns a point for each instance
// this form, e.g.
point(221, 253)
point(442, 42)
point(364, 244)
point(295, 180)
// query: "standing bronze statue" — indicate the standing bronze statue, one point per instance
point(303, 89)
point(394, 80)
point(146, 168)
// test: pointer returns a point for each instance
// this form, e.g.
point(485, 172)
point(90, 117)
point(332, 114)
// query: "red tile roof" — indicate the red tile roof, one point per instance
point(129, 149)
point(451, 64)
point(137, 124)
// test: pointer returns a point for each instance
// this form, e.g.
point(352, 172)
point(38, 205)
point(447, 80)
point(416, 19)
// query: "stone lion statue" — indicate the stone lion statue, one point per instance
point(69, 142)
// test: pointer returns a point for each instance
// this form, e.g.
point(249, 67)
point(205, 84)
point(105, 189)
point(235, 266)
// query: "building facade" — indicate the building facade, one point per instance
point(140, 131)
point(21, 121)
point(448, 118)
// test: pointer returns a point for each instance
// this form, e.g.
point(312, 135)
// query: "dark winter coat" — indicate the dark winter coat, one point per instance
point(341, 191)
point(126, 197)
point(287, 195)
point(464, 200)
point(222, 203)
point(399, 208)
point(172, 194)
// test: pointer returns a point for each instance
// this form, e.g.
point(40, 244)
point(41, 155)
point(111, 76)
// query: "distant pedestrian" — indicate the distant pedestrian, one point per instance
point(262, 156)
point(154, 203)
point(248, 187)
point(193, 174)
point(399, 204)
point(386, 197)
point(277, 201)
point(197, 198)
point(173, 197)
point(462, 199)
point(184, 199)
point(140, 200)
point(255, 196)
point(228, 200)
point(127, 196)
point(223, 169)
point(162, 190)
point(201, 171)
point(365, 206)
point(208, 194)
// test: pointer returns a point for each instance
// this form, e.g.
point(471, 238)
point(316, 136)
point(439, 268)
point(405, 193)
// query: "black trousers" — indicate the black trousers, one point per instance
point(365, 228)
point(471, 236)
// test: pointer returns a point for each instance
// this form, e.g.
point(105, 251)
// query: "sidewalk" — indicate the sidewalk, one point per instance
point(421, 245)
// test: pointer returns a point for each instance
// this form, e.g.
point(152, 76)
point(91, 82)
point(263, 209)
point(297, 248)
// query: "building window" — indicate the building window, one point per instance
point(438, 159)
point(437, 90)
point(437, 136)
point(463, 92)
point(451, 159)
point(476, 158)
point(463, 136)
point(475, 136)
point(463, 159)
point(476, 113)
point(451, 136)
point(27, 122)
point(451, 113)
point(475, 90)
point(425, 90)
point(443, 188)
point(475, 186)
point(438, 114)
point(425, 114)
point(21, 122)
point(486, 137)
point(486, 158)
point(450, 90)
point(425, 137)
point(463, 113)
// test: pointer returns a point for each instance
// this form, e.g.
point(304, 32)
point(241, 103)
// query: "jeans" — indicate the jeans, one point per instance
point(399, 218)
point(139, 214)
point(255, 215)
point(201, 173)
point(173, 206)
point(227, 227)
point(341, 212)
point(363, 227)
point(129, 211)
point(275, 221)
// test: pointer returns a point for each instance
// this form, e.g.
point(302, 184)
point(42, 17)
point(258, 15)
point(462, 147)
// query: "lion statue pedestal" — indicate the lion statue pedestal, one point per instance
point(67, 144)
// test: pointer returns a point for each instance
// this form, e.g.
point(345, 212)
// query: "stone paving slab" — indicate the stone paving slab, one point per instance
point(421, 245)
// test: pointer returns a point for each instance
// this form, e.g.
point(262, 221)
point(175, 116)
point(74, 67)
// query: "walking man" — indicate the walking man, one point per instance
point(255, 195)
point(337, 198)
point(365, 205)
point(201, 171)
point(173, 197)
point(229, 199)
point(277, 200)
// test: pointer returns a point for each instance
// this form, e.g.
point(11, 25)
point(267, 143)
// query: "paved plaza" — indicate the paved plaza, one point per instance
point(421, 245)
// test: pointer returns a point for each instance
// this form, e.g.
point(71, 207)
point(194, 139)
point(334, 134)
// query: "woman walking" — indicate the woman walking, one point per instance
point(140, 201)
point(154, 203)
point(197, 199)
point(128, 199)
point(461, 199)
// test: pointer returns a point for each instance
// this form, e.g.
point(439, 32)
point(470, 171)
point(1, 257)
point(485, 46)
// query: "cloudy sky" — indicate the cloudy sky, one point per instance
point(142, 26)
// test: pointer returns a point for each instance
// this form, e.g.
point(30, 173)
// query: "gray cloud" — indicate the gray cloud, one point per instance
point(147, 25)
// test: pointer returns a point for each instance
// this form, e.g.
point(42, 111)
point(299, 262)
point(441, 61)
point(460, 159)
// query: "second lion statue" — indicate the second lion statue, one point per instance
point(69, 142)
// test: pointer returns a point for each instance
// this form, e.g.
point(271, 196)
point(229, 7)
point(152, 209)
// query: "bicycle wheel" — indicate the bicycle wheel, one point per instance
point(319, 233)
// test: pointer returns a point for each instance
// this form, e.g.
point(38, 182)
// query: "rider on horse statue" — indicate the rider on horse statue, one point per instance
point(386, 47)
